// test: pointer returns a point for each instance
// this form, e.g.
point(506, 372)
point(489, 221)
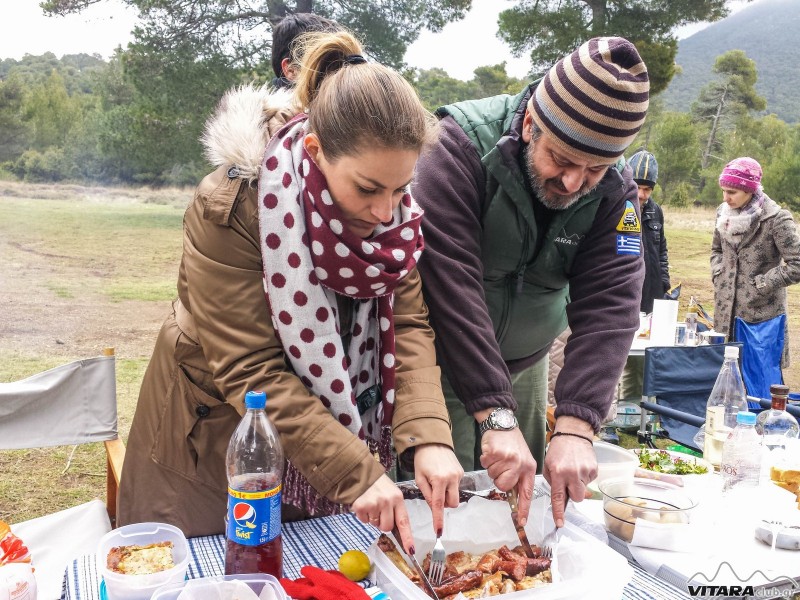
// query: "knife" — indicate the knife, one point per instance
point(425, 582)
point(513, 502)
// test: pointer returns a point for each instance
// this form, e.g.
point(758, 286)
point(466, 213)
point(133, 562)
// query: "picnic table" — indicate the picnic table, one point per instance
point(317, 542)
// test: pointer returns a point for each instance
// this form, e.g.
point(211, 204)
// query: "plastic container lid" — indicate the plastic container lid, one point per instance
point(255, 399)
point(745, 417)
point(731, 351)
point(203, 586)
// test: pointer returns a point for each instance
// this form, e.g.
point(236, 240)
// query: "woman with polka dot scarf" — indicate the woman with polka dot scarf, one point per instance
point(298, 277)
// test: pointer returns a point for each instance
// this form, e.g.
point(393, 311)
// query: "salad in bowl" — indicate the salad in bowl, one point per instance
point(673, 467)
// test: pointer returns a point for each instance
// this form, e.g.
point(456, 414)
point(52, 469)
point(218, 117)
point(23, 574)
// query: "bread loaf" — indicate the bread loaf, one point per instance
point(788, 479)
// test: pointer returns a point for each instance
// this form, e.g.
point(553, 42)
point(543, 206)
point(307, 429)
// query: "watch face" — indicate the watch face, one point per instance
point(504, 419)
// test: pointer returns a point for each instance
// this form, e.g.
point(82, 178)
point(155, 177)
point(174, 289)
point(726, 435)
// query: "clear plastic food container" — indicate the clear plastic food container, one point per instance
point(141, 587)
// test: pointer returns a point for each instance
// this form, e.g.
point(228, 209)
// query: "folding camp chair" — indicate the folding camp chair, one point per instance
point(69, 405)
point(677, 383)
point(761, 358)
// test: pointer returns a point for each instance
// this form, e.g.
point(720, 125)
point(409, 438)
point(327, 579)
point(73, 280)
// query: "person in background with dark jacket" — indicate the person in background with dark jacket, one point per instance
point(656, 261)
point(283, 36)
point(530, 227)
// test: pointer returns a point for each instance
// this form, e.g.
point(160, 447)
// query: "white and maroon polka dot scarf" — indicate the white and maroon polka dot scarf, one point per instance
point(309, 256)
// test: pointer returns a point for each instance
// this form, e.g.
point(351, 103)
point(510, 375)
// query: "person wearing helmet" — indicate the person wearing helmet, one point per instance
point(656, 261)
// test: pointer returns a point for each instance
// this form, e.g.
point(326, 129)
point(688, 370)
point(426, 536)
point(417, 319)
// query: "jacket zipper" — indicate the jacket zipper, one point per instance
point(515, 282)
point(521, 268)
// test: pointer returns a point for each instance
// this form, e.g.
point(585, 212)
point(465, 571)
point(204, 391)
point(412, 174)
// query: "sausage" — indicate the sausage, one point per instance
point(460, 583)
point(537, 565)
point(515, 570)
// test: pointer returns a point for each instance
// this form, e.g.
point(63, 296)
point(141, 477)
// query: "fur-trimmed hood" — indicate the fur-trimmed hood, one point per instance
point(242, 124)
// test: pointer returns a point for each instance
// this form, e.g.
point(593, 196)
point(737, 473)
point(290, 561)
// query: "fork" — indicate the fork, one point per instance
point(549, 549)
point(436, 568)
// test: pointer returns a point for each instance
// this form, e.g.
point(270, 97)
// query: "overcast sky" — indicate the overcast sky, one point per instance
point(459, 48)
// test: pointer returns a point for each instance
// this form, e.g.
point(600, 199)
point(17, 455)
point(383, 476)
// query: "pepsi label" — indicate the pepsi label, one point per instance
point(254, 518)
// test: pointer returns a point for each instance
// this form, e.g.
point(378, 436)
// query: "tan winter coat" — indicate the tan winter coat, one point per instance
point(750, 282)
point(218, 342)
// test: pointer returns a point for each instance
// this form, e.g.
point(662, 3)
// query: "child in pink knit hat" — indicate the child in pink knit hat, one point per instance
point(742, 173)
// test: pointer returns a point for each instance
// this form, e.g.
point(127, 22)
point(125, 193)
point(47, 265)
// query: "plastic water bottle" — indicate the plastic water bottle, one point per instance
point(691, 327)
point(726, 400)
point(741, 455)
point(255, 469)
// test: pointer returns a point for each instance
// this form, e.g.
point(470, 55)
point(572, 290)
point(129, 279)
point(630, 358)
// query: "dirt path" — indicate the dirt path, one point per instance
point(34, 320)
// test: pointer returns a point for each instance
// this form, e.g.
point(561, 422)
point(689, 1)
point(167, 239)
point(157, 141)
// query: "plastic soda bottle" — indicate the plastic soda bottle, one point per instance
point(726, 400)
point(255, 468)
point(741, 455)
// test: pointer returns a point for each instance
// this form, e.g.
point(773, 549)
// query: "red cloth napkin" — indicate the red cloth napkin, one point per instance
point(317, 584)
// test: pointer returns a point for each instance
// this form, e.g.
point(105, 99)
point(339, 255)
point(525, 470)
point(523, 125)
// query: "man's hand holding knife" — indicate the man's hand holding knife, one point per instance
point(506, 457)
point(569, 465)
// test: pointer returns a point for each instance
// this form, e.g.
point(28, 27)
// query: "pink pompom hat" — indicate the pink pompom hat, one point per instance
point(742, 173)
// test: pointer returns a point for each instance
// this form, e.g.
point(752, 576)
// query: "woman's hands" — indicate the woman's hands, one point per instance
point(382, 506)
point(437, 472)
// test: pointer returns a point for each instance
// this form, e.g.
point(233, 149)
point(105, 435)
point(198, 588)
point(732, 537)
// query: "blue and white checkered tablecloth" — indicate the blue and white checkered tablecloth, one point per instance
point(317, 542)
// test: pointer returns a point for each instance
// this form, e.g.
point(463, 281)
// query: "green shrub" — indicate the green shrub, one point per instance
point(47, 166)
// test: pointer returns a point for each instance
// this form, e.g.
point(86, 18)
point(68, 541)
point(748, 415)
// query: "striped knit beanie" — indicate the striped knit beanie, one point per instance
point(645, 168)
point(742, 173)
point(594, 101)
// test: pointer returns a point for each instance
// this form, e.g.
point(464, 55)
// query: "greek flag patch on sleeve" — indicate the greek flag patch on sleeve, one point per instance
point(628, 244)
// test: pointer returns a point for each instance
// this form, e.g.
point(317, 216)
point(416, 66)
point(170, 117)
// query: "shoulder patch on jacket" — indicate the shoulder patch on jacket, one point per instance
point(629, 222)
point(628, 244)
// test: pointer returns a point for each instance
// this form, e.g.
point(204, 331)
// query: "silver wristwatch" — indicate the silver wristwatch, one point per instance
point(502, 419)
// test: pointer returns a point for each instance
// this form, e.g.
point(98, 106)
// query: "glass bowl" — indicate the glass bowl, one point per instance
point(626, 500)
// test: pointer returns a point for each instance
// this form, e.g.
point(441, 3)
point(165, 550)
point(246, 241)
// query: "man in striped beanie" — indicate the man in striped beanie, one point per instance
point(532, 225)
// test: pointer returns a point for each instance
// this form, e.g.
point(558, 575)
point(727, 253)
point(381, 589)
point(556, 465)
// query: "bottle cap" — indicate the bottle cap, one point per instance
point(731, 351)
point(746, 417)
point(255, 400)
point(777, 389)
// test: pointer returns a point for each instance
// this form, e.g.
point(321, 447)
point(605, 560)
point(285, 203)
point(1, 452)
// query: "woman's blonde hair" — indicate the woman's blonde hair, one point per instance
point(352, 102)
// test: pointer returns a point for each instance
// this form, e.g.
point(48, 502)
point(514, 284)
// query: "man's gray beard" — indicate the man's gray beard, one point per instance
point(557, 201)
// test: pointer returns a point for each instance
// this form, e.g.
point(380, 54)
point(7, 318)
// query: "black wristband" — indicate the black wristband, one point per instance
point(577, 435)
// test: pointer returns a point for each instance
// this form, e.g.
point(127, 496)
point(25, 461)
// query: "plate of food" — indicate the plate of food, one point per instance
point(677, 468)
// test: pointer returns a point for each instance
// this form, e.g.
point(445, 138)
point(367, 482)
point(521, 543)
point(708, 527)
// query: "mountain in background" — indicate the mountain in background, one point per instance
point(769, 33)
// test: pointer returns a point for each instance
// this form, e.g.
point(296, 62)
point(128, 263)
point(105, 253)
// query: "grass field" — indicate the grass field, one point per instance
point(85, 268)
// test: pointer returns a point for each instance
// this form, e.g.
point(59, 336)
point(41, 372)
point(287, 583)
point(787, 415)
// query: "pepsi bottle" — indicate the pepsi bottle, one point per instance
point(255, 469)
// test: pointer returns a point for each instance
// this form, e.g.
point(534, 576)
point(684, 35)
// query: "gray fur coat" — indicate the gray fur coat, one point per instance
point(750, 280)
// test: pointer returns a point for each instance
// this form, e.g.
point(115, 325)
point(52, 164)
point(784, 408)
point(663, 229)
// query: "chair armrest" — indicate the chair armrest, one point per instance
point(551, 422)
point(115, 449)
point(678, 415)
point(115, 455)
